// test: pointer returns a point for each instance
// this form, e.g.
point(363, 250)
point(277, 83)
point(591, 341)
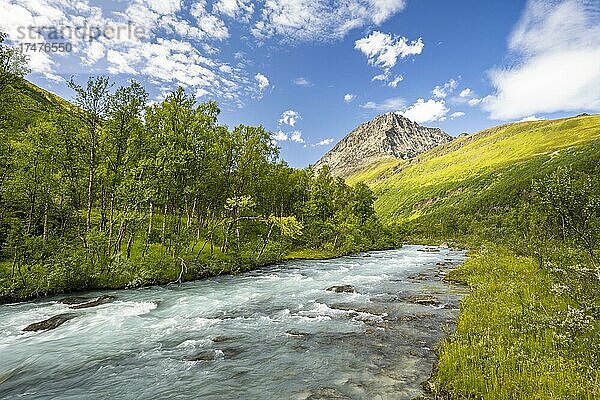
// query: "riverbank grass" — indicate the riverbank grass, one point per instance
point(517, 338)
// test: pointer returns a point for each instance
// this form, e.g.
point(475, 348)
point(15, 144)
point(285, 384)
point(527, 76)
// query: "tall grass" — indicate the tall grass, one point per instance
point(515, 337)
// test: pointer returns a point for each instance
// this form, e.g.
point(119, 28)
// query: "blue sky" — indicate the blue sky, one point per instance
point(311, 71)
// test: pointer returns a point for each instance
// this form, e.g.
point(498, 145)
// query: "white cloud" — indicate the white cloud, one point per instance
point(475, 101)
point(177, 60)
point(94, 52)
point(301, 81)
point(394, 83)
point(325, 142)
point(557, 45)
point(279, 136)
point(289, 117)
point(441, 92)
point(241, 10)
point(531, 118)
point(384, 50)
point(457, 114)
point(263, 82)
point(164, 7)
point(118, 63)
point(297, 137)
point(391, 104)
point(466, 93)
point(348, 98)
point(426, 111)
point(321, 20)
point(213, 27)
point(381, 77)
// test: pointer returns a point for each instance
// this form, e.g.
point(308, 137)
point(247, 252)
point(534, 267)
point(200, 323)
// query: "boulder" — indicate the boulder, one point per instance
point(342, 289)
point(96, 302)
point(50, 323)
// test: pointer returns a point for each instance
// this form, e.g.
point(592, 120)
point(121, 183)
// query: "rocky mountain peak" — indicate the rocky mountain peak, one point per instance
point(388, 135)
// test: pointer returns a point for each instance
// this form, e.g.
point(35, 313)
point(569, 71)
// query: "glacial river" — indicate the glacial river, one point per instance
point(273, 333)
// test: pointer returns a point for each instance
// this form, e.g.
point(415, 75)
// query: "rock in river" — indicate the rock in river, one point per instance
point(96, 302)
point(295, 333)
point(425, 300)
point(71, 301)
point(342, 289)
point(50, 323)
point(205, 355)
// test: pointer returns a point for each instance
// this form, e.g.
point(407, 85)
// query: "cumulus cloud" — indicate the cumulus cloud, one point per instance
point(324, 142)
point(263, 82)
point(391, 104)
point(241, 10)
point(348, 98)
point(209, 23)
point(164, 7)
point(394, 82)
point(442, 91)
point(466, 93)
point(279, 136)
point(457, 114)
point(321, 20)
point(175, 48)
point(557, 47)
point(384, 50)
point(426, 111)
point(296, 136)
point(289, 117)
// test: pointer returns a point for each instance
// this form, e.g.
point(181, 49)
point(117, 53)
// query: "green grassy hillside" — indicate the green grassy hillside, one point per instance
point(482, 171)
point(525, 197)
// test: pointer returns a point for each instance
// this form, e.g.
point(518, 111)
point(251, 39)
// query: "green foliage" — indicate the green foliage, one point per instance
point(13, 64)
point(111, 192)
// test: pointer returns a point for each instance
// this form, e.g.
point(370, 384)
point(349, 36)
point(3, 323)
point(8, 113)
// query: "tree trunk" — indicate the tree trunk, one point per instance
point(103, 219)
point(45, 235)
point(91, 179)
point(30, 216)
point(164, 225)
point(111, 218)
point(120, 237)
point(266, 242)
point(149, 234)
point(130, 243)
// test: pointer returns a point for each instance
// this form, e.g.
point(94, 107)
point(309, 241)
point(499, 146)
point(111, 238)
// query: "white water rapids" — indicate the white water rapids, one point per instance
point(274, 333)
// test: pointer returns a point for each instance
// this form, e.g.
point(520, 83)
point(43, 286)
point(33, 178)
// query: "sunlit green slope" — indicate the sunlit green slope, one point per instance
point(480, 171)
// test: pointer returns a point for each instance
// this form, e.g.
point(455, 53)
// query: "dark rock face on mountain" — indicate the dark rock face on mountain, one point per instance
point(388, 135)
